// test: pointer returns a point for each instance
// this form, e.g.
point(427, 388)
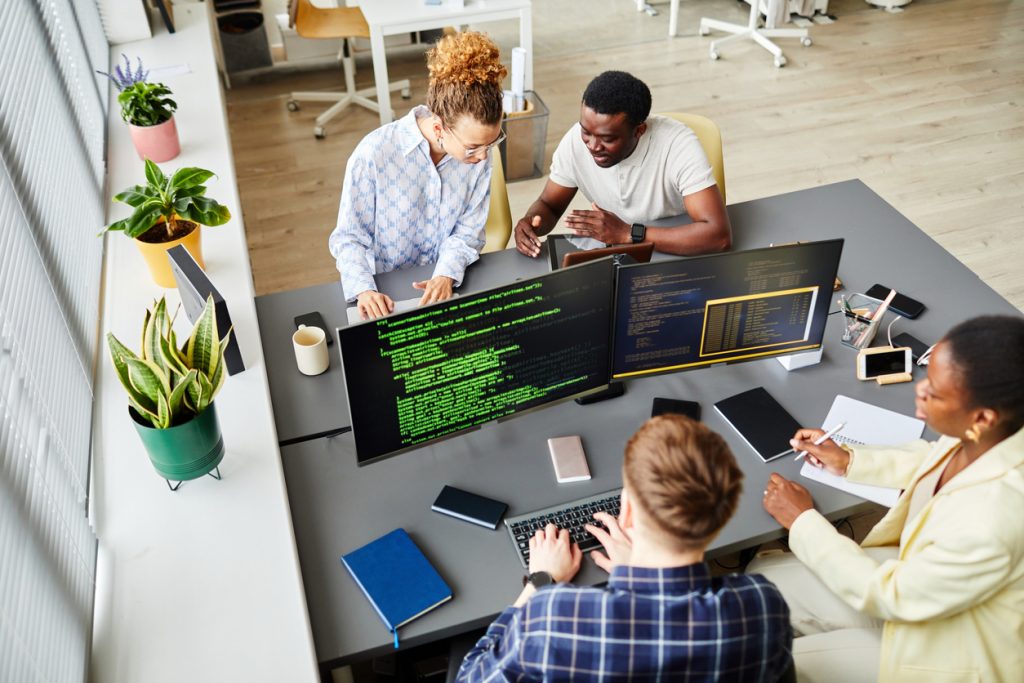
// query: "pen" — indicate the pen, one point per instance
point(823, 438)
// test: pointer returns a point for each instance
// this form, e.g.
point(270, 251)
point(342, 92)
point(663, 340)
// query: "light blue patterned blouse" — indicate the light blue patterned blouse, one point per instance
point(398, 210)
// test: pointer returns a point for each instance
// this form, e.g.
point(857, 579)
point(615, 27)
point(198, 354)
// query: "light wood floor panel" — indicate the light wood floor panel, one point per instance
point(924, 106)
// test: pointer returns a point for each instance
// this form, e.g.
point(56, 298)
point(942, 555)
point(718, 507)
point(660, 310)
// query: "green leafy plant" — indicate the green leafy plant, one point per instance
point(146, 104)
point(168, 385)
point(180, 197)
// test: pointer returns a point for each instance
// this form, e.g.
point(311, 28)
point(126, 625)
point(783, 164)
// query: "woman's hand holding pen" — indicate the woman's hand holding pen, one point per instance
point(829, 454)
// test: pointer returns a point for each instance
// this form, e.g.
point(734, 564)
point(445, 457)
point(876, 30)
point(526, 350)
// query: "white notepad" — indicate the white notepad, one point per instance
point(865, 424)
point(401, 305)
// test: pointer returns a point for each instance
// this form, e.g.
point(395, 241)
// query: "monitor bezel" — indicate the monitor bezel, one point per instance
point(612, 377)
point(591, 390)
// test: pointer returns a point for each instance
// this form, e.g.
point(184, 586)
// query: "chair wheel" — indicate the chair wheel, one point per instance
point(406, 93)
point(714, 55)
point(806, 42)
point(293, 105)
point(780, 62)
point(319, 133)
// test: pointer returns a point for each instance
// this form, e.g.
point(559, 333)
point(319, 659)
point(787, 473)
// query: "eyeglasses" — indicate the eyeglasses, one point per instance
point(475, 151)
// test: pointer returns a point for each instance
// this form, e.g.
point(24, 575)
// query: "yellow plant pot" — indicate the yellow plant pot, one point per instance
point(159, 264)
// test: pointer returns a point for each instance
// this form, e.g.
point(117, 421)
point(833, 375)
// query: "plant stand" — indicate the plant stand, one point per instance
point(209, 474)
point(752, 31)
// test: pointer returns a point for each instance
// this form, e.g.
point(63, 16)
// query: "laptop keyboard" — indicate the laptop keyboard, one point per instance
point(572, 516)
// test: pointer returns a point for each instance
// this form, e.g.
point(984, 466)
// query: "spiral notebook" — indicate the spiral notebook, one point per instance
point(865, 424)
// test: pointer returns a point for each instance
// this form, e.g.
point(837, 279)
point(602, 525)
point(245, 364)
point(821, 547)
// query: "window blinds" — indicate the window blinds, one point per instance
point(52, 140)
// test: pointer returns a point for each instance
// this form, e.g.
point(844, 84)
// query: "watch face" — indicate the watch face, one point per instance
point(638, 231)
point(539, 579)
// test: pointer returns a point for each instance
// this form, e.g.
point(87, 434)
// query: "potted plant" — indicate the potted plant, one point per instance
point(168, 212)
point(171, 392)
point(148, 111)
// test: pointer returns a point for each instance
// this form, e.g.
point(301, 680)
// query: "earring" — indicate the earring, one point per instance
point(973, 434)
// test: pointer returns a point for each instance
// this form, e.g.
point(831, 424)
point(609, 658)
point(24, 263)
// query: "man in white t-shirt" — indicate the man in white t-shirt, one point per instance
point(634, 168)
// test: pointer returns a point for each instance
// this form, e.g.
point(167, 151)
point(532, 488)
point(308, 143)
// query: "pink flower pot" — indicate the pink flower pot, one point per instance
point(156, 143)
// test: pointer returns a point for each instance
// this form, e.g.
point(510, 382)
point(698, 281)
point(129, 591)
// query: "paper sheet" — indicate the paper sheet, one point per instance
point(865, 424)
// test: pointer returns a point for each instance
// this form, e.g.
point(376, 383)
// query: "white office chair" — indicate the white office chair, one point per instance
point(333, 23)
point(753, 32)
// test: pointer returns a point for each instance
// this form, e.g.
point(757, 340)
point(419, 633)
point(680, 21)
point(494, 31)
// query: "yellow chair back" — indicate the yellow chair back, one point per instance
point(499, 215)
point(710, 139)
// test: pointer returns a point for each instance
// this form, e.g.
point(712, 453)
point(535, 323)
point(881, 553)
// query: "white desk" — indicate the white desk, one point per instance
point(391, 17)
point(202, 584)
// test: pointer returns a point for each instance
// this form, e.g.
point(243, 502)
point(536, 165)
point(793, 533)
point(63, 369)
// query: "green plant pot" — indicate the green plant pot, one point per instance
point(186, 451)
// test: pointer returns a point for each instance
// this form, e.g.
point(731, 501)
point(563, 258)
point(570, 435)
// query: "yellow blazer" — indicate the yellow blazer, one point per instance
point(953, 600)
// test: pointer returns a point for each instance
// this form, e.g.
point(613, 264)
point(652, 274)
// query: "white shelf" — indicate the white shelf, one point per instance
point(202, 584)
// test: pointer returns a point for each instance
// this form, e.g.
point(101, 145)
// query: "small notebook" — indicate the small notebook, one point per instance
point(865, 423)
point(762, 422)
point(397, 578)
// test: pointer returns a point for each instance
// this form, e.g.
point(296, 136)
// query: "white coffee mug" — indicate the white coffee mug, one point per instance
point(311, 350)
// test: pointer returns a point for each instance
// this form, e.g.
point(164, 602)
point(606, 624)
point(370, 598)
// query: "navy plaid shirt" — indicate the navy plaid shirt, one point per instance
point(676, 624)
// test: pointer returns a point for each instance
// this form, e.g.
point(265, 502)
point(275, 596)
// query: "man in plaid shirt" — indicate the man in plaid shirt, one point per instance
point(662, 616)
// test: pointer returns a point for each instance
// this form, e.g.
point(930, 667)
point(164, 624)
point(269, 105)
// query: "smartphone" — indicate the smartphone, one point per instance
point(314, 319)
point(901, 304)
point(917, 347)
point(661, 406)
point(568, 459)
point(469, 507)
point(883, 360)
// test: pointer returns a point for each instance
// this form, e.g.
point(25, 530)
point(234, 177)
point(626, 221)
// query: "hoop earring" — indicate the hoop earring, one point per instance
point(973, 434)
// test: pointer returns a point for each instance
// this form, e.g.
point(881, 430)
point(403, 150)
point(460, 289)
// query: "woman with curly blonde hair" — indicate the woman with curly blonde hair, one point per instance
point(417, 190)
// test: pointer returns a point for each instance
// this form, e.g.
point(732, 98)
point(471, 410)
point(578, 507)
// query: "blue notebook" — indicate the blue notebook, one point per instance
point(398, 579)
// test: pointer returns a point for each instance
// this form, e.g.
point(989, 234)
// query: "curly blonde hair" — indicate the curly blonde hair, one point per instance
point(465, 78)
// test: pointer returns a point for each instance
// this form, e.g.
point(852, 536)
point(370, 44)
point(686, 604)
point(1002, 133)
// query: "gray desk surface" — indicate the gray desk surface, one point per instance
point(337, 507)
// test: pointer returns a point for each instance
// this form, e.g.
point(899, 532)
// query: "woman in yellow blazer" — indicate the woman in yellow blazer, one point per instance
point(942, 574)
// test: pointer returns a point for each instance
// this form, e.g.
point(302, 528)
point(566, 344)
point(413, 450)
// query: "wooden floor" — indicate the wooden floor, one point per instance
point(923, 105)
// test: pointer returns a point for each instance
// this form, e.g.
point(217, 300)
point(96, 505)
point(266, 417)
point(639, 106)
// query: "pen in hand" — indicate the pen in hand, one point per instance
point(823, 438)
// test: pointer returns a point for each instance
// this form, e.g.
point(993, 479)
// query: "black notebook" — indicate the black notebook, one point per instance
point(761, 421)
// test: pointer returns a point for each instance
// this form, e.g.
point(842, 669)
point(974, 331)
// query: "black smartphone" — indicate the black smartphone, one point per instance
point(314, 319)
point(661, 406)
point(917, 347)
point(901, 303)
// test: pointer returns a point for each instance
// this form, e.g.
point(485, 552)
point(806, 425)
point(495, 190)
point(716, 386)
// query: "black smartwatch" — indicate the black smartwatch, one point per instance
point(539, 579)
point(638, 231)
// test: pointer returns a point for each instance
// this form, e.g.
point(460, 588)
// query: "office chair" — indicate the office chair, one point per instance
point(710, 139)
point(753, 32)
point(499, 214)
point(333, 23)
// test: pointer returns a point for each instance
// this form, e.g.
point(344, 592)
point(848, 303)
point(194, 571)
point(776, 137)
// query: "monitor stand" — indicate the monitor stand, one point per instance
point(614, 390)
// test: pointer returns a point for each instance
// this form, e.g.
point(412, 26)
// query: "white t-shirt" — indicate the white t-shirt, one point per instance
point(667, 164)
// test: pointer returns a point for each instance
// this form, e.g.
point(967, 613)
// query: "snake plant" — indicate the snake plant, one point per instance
point(168, 385)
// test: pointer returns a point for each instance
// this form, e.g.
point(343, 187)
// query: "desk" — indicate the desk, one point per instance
point(390, 17)
point(337, 507)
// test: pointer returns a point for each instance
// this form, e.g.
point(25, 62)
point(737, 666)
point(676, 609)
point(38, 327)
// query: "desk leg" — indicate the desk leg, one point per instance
point(526, 41)
point(673, 19)
point(380, 74)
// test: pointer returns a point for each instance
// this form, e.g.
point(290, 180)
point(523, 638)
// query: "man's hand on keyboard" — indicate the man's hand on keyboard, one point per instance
point(616, 541)
point(551, 552)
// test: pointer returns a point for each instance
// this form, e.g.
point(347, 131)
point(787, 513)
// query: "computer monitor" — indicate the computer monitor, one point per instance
point(194, 287)
point(431, 373)
point(690, 313)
